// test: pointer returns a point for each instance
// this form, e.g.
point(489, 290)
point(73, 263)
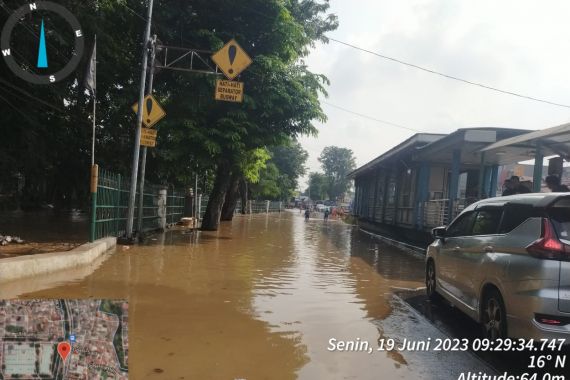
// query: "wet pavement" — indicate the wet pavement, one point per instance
point(263, 297)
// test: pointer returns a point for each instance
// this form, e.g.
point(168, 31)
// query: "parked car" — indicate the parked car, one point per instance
point(505, 262)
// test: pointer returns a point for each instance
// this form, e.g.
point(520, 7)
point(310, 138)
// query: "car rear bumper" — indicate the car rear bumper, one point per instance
point(524, 307)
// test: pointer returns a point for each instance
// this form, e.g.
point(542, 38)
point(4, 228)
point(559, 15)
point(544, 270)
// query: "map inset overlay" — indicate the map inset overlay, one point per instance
point(97, 331)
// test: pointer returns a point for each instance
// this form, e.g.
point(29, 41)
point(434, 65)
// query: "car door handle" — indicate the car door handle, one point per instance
point(489, 249)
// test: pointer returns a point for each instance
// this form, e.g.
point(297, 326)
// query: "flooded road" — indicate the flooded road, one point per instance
point(261, 299)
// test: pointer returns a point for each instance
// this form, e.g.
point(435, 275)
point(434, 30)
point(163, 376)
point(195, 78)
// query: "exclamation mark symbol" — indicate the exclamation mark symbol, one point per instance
point(148, 109)
point(42, 53)
point(232, 51)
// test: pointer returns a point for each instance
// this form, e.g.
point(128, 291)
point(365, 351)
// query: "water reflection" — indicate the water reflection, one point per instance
point(260, 298)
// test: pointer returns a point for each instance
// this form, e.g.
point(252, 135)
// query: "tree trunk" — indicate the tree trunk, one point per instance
point(243, 195)
point(211, 219)
point(230, 202)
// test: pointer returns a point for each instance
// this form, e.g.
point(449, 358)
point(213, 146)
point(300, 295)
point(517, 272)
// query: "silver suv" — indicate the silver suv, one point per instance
point(505, 262)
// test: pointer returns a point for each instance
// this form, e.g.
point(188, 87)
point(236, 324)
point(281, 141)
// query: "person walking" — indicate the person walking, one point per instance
point(326, 214)
point(307, 214)
point(553, 183)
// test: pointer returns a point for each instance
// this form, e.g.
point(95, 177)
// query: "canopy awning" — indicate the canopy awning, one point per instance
point(551, 142)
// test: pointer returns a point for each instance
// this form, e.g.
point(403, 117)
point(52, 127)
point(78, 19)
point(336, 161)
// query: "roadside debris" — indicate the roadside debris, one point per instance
point(5, 240)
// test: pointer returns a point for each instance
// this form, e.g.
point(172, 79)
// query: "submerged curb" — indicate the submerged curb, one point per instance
point(28, 266)
point(415, 250)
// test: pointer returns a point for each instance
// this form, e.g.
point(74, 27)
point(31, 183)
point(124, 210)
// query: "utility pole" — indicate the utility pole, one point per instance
point(144, 148)
point(133, 189)
point(196, 200)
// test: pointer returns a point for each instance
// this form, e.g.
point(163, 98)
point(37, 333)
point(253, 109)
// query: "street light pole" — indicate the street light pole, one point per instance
point(133, 188)
point(144, 148)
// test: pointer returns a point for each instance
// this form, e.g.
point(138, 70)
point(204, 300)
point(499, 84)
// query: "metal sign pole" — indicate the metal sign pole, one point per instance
point(196, 213)
point(132, 193)
point(144, 148)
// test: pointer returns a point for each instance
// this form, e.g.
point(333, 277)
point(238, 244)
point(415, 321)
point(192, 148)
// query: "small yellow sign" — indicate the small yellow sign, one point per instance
point(232, 59)
point(148, 137)
point(229, 91)
point(152, 111)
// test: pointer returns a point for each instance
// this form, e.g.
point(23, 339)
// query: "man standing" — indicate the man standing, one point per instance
point(553, 183)
point(515, 187)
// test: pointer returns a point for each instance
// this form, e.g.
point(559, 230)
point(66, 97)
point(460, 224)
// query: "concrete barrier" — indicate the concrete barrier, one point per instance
point(29, 266)
point(418, 251)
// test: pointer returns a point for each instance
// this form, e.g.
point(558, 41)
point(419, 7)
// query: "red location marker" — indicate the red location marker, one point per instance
point(63, 349)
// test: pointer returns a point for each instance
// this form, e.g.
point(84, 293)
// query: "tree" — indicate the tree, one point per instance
point(337, 163)
point(290, 159)
point(318, 186)
point(282, 99)
point(280, 178)
point(248, 170)
point(51, 144)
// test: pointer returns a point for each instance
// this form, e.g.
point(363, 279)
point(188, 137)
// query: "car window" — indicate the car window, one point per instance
point(487, 221)
point(515, 215)
point(462, 225)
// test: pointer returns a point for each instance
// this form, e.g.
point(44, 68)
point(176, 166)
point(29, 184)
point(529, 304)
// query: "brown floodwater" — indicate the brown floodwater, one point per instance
point(259, 299)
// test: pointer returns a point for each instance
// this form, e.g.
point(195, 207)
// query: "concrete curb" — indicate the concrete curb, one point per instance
point(415, 250)
point(29, 266)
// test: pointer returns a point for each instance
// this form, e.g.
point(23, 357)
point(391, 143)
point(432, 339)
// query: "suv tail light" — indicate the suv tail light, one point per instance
point(548, 246)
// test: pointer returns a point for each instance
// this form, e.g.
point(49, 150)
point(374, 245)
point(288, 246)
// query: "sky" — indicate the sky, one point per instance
point(521, 46)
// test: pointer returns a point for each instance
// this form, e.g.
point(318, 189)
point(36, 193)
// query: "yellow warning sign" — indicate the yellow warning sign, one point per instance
point(232, 59)
point(229, 91)
point(152, 111)
point(148, 137)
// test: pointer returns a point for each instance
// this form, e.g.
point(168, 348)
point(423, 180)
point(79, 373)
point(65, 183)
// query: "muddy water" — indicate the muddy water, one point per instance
point(258, 299)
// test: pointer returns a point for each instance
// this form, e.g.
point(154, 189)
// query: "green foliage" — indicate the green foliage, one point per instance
point(279, 180)
point(337, 163)
point(318, 186)
point(50, 141)
point(253, 162)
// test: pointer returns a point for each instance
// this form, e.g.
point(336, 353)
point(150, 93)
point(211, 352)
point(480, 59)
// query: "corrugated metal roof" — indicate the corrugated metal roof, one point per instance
point(418, 138)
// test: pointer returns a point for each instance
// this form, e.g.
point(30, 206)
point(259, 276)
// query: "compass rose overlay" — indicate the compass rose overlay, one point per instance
point(7, 51)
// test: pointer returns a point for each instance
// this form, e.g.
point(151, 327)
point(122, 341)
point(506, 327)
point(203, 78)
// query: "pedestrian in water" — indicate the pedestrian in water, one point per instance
point(326, 214)
point(307, 214)
point(553, 183)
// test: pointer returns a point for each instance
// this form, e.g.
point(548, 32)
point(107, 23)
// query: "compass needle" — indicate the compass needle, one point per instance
point(42, 52)
point(18, 63)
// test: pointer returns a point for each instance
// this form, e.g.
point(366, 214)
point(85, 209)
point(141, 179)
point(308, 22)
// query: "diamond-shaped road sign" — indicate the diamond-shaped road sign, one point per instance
point(152, 111)
point(231, 59)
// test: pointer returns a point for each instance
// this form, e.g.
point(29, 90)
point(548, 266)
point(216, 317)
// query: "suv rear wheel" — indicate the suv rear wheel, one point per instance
point(431, 281)
point(493, 315)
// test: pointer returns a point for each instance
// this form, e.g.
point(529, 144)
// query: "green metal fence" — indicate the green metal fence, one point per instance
point(150, 217)
point(174, 206)
point(253, 207)
point(110, 210)
point(109, 214)
point(111, 206)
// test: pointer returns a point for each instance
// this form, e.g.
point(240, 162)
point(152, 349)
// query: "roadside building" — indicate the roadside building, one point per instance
point(427, 180)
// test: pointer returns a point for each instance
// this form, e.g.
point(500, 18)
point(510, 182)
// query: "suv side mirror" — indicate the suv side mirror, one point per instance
point(439, 232)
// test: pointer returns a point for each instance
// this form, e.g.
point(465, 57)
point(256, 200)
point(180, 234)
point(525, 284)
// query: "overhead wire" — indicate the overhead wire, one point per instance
point(370, 117)
point(448, 76)
point(435, 72)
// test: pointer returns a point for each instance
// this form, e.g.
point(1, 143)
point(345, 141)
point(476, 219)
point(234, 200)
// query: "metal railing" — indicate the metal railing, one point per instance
point(110, 210)
point(436, 212)
point(252, 207)
point(174, 206)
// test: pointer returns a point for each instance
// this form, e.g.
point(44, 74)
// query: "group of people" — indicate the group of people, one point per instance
point(326, 214)
point(514, 186)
